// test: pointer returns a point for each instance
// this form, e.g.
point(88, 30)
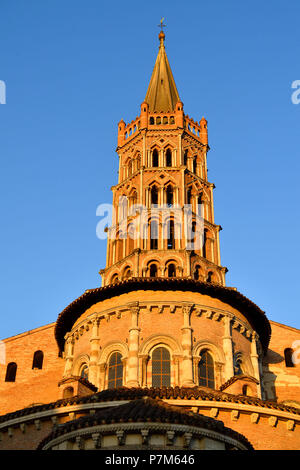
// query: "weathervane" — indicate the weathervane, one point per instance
point(161, 25)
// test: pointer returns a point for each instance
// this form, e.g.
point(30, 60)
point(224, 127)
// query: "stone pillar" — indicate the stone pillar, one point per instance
point(143, 361)
point(133, 343)
point(102, 369)
point(187, 359)
point(69, 356)
point(255, 360)
point(227, 348)
point(94, 342)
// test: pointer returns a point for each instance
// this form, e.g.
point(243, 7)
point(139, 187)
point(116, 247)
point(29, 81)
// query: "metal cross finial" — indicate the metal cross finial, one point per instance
point(162, 25)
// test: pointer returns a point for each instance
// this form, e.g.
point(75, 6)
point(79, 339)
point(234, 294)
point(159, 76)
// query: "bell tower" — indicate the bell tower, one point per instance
point(163, 215)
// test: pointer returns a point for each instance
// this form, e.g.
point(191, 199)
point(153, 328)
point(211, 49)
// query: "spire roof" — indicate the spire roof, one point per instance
point(162, 94)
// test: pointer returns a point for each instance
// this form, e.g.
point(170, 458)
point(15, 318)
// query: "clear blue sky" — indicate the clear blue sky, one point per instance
point(73, 69)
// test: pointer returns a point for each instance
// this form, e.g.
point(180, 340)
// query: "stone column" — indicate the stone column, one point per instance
point(94, 342)
point(133, 343)
point(187, 359)
point(102, 369)
point(69, 350)
point(255, 360)
point(227, 348)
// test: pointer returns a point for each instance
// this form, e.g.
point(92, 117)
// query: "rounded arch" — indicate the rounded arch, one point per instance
point(110, 348)
point(216, 351)
point(38, 359)
point(127, 272)
point(156, 340)
point(114, 278)
point(79, 362)
point(242, 364)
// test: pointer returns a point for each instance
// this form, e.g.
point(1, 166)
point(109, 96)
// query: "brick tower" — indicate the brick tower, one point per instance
point(163, 223)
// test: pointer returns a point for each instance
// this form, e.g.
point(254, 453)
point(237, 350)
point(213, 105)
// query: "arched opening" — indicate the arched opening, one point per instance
point(168, 157)
point(238, 364)
point(165, 120)
point(115, 371)
point(158, 120)
point(288, 357)
point(189, 196)
point(155, 158)
point(172, 120)
point(169, 196)
point(151, 121)
point(153, 234)
point(204, 248)
point(161, 368)
point(153, 270)
point(171, 235)
point(127, 273)
point(171, 270)
point(68, 392)
point(154, 195)
point(195, 165)
point(185, 157)
point(199, 205)
point(84, 371)
point(209, 276)
point(11, 372)
point(114, 279)
point(197, 272)
point(38, 358)
point(206, 372)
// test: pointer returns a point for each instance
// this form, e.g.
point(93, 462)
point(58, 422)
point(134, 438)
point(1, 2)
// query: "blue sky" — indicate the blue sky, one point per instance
point(73, 69)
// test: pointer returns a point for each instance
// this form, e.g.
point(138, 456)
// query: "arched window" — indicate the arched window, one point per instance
point(195, 165)
point(127, 273)
point(154, 195)
point(171, 270)
point(155, 158)
point(206, 373)
point(169, 194)
point(114, 279)
point(68, 392)
point(288, 357)
point(238, 364)
point(197, 272)
point(189, 196)
point(115, 371)
point(199, 203)
point(161, 368)
point(152, 121)
point(38, 358)
point(153, 234)
point(11, 372)
point(158, 120)
point(209, 275)
point(168, 157)
point(165, 120)
point(185, 158)
point(204, 251)
point(84, 371)
point(153, 270)
point(171, 235)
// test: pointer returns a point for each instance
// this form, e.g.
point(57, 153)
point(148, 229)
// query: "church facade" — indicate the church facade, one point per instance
point(164, 355)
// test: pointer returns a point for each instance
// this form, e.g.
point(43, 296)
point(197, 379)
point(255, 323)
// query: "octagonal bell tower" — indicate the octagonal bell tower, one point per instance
point(163, 221)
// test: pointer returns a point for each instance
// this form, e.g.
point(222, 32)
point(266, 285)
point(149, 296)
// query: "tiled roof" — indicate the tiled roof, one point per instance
point(235, 378)
point(82, 380)
point(179, 393)
point(252, 312)
point(146, 410)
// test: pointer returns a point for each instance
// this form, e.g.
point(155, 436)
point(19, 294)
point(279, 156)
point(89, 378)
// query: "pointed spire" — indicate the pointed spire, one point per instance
point(162, 94)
